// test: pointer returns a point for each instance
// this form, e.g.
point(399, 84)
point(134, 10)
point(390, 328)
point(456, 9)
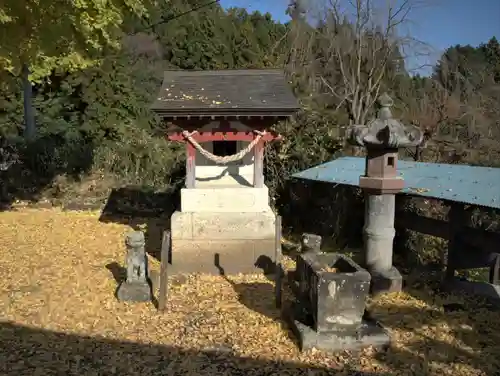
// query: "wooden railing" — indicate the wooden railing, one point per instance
point(468, 248)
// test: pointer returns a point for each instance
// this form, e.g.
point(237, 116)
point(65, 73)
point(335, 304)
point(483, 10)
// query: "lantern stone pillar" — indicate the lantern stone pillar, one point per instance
point(382, 138)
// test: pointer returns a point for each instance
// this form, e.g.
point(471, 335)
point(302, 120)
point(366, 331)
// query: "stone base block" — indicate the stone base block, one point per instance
point(483, 289)
point(223, 226)
point(225, 199)
point(219, 242)
point(390, 281)
point(370, 333)
point(222, 257)
point(134, 292)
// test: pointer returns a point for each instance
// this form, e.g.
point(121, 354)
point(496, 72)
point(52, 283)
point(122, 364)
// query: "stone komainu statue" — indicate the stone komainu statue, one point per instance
point(136, 257)
point(137, 286)
point(310, 243)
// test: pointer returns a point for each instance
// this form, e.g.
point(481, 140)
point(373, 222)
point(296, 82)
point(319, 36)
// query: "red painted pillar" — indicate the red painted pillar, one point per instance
point(258, 165)
point(190, 165)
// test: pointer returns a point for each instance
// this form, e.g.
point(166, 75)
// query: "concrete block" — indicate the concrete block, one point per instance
point(221, 256)
point(181, 225)
point(389, 281)
point(483, 289)
point(370, 333)
point(222, 226)
point(225, 199)
point(333, 288)
point(211, 242)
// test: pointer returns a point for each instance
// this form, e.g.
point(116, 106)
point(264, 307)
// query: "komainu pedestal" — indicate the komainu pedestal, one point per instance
point(137, 286)
point(330, 312)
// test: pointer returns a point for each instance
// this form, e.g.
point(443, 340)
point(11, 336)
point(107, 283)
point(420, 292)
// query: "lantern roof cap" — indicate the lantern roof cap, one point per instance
point(384, 131)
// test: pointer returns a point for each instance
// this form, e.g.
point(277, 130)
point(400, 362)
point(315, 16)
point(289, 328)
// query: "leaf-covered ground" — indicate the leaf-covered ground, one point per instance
point(60, 317)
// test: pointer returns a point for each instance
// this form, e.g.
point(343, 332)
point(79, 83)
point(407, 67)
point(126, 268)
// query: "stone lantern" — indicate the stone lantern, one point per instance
point(382, 138)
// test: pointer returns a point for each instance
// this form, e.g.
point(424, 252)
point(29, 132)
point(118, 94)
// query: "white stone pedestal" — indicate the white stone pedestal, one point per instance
point(232, 199)
point(223, 229)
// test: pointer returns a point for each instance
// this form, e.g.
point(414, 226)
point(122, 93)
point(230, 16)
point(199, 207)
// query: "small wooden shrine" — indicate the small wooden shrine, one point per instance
point(225, 119)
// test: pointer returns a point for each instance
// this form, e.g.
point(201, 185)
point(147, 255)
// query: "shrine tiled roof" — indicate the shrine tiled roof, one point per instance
point(251, 92)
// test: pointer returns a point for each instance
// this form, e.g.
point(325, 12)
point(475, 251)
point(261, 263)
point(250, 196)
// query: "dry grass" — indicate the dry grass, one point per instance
point(55, 279)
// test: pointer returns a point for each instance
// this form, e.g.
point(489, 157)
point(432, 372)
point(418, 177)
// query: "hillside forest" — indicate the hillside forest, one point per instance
point(92, 130)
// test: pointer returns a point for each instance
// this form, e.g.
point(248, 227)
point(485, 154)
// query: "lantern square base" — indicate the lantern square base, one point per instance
point(386, 282)
point(369, 333)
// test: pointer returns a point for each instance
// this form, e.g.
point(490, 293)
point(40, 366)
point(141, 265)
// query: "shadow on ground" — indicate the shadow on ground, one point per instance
point(448, 331)
point(143, 210)
point(259, 297)
point(463, 340)
point(119, 272)
point(28, 351)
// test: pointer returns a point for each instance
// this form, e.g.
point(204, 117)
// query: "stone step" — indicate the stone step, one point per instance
point(221, 226)
point(223, 199)
point(228, 257)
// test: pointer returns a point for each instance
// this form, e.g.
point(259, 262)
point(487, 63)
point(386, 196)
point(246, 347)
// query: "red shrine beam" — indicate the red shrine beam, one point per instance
point(223, 136)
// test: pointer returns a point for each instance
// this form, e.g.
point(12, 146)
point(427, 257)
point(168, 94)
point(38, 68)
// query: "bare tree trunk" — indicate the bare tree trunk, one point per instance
point(361, 46)
point(29, 113)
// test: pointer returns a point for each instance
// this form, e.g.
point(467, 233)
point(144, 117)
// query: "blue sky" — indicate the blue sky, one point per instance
point(441, 23)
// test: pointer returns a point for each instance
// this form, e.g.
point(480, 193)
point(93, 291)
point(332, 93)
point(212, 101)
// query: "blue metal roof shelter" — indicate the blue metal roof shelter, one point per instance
point(460, 183)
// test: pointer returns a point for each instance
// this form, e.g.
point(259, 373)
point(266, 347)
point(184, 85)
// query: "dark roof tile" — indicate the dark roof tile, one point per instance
point(249, 92)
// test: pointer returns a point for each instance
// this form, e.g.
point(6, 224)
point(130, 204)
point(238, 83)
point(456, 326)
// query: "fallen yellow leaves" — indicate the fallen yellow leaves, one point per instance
point(56, 277)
